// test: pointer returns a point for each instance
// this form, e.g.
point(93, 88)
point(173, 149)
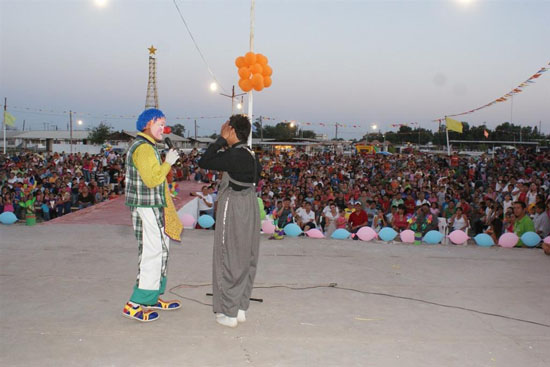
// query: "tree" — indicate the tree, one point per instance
point(307, 134)
point(178, 129)
point(98, 135)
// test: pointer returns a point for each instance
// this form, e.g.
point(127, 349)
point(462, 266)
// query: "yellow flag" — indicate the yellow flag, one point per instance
point(453, 125)
point(8, 118)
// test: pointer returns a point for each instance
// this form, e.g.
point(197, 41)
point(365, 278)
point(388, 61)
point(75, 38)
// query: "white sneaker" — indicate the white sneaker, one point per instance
point(226, 320)
point(241, 316)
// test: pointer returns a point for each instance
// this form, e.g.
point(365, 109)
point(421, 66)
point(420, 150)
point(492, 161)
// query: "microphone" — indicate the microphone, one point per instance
point(169, 143)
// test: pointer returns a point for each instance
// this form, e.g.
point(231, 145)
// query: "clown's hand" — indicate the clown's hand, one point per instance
point(172, 156)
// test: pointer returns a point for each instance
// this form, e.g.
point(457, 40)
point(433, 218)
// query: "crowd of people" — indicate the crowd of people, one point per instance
point(50, 185)
point(56, 184)
point(494, 194)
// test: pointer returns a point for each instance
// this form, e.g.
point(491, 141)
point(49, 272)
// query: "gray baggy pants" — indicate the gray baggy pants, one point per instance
point(236, 249)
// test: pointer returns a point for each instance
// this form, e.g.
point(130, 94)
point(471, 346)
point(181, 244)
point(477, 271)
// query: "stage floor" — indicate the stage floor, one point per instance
point(64, 285)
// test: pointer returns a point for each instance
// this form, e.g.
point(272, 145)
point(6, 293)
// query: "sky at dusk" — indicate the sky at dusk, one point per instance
point(352, 62)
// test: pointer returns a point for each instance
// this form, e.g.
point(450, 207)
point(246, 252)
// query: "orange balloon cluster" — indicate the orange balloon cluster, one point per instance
point(254, 72)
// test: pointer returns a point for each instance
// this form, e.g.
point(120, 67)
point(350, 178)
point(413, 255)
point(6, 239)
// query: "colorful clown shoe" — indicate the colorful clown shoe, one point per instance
point(138, 313)
point(165, 305)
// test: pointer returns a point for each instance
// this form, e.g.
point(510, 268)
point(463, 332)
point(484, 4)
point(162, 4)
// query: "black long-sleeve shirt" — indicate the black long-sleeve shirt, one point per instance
point(238, 162)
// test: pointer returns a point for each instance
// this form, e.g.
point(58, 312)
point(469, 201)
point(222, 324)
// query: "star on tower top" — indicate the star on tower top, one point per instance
point(152, 50)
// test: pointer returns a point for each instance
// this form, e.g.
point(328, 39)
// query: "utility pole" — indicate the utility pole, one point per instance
point(195, 130)
point(336, 135)
point(71, 131)
point(251, 94)
point(4, 121)
point(261, 129)
point(23, 125)
point(232, 96)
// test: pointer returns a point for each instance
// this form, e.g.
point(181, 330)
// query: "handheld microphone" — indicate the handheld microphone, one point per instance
point(169, 143)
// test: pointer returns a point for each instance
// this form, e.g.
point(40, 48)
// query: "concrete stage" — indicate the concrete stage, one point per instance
point(64, 285)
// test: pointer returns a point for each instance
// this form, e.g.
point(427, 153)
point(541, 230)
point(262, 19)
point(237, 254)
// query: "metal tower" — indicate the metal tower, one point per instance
point(152, 99)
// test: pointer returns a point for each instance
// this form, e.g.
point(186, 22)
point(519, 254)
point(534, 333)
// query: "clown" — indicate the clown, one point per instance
point(153, 216)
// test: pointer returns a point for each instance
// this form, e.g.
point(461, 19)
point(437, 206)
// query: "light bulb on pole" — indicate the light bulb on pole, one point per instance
point(213, 86)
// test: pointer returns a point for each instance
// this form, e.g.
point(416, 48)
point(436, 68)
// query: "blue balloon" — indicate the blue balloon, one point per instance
point(206, 221)
point(433, 237)
point(387, 234)
point(8, 218)
point(530, 239)
point(340, 234)
point(292, 230)
point(484, 240)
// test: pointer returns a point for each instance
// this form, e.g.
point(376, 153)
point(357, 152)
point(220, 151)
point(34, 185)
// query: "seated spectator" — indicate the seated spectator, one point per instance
point(523, 223)
point(379, 221)
point(459, 221)
point(371, 211)
point(495, 225)
point(305, 217)
point(399, 220)
point(206, 203)
point(331, 217)
point(423, 221)
point(85, 198)
point(541, 220)
point(357, 219)
point(285, 214)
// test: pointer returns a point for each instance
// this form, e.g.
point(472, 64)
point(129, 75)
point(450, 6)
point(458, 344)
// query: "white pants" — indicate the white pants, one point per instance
point(154, 251)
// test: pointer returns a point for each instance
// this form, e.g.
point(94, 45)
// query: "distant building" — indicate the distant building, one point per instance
point(60, 140)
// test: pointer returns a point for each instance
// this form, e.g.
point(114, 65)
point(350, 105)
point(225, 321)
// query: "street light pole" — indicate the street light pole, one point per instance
point(232, 96)
point(71, 134)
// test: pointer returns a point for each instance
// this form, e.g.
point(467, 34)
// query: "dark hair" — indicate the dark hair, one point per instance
point(241, 124)
point(521, 203)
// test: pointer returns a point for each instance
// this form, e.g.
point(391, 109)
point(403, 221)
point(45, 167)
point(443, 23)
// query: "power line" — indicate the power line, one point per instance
point(197, 46)
point(390, 295)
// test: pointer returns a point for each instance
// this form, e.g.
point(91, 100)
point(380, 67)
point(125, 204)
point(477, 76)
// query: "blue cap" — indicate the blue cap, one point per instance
point(146, 116)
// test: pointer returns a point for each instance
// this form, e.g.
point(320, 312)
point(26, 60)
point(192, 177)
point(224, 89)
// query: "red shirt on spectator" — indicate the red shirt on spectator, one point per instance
point(410, 205)
point(358, 217)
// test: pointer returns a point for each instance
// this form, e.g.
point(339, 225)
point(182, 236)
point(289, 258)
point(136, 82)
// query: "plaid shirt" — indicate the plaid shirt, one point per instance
point(137, 193)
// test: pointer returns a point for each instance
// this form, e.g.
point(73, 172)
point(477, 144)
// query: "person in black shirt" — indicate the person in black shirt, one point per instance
point(237, 233)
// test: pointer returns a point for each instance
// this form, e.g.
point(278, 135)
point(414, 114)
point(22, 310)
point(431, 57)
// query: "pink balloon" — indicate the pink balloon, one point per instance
point(547, 240)
point(315, 233)
point(268, 227)
point(407, 236)
point(458, 237)
point(187, 220)
point(508, 240)
point(366, 233)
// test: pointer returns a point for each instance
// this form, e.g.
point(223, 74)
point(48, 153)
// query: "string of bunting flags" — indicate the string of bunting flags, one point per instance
point(95, 115)
point(532, 79)
point(334, 124)
point(405, 124)
point(116, 116)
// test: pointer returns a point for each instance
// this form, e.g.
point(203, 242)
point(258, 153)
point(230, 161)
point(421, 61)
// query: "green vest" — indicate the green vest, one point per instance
point(137, 193)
